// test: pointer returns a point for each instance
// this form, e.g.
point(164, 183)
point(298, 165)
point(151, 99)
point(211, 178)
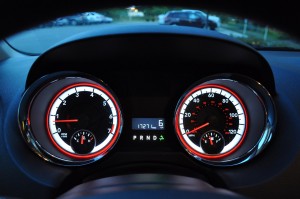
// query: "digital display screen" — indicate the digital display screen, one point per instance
point(154, 124)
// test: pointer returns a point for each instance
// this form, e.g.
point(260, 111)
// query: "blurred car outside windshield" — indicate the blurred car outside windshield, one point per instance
point(261, 36)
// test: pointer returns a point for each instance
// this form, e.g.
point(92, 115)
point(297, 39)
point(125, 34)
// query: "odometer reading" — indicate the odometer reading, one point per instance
point(211, 121)
point(148, 124)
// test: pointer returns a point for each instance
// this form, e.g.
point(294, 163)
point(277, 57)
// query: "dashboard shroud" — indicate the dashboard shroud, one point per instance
point(258, 111)
point(256, 99)
point(135, 67)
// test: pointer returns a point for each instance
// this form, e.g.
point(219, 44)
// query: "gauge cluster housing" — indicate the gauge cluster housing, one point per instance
point(257, 104)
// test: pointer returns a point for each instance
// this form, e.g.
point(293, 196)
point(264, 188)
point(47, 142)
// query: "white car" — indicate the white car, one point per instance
point(94, 18)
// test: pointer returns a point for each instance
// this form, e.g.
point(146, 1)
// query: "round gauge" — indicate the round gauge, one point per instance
point(212, 142)
point(211, 121)
point(83, 120)
point(83, 142)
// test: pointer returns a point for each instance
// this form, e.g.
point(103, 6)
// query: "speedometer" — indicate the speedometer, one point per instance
point(211, 121)
point(225, 121)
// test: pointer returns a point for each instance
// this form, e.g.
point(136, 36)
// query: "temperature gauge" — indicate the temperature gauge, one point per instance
point(83, 142)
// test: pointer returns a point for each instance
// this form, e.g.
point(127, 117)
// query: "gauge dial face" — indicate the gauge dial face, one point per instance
point(211, 121)
point(83, 120)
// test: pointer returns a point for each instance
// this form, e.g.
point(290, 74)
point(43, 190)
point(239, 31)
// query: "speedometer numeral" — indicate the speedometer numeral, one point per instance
point(225, 101)
point(233, 115)
point(211, 95)
point(187, 114)
point(196, 100)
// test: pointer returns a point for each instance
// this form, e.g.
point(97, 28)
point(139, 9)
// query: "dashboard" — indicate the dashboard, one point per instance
point(145, 100)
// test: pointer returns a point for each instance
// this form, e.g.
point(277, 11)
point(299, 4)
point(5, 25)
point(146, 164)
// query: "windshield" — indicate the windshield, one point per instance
point(40, 38)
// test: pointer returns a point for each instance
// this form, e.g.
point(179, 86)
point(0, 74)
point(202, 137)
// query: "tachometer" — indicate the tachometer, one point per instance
point(83, 120)
point(70, 118)
point(211, 121)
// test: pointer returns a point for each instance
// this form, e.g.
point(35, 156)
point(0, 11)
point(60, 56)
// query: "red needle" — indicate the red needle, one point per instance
point(211, 141)
point(82, 139)
point(200, 127)
point(71, 120)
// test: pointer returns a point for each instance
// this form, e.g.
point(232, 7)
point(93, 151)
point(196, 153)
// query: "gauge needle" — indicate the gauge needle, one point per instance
point(198, 128)
point(82, 139)
point(211, 140)
point(71, 120)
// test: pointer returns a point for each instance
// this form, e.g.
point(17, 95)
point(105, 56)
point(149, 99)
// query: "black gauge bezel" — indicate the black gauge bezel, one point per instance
point(35, 133)
point(181, 135)
point(260, 127)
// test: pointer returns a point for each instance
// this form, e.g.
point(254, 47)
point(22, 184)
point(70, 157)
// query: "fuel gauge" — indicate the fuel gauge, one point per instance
point(212, 142)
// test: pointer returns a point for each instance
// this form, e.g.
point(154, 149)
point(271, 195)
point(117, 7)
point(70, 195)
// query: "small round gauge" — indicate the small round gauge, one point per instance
point(83, 120)
point(211, 121)
point(83, 142)
point(212, 142)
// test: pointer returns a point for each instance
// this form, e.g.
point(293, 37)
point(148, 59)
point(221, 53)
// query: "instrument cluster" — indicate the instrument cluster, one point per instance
point(74, 118)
